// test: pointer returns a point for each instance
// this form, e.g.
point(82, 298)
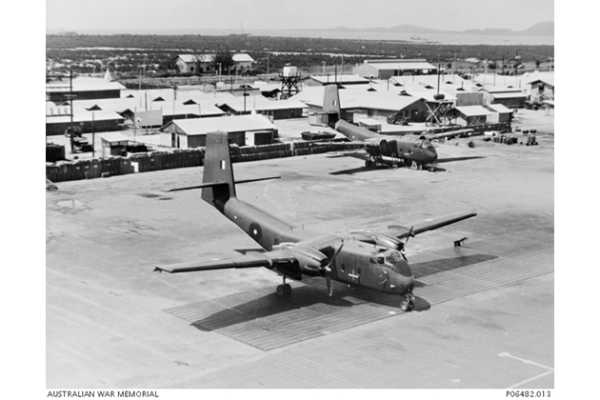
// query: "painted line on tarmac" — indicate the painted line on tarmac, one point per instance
point(549, 371)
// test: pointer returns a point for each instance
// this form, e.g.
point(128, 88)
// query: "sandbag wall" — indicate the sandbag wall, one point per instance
point(254, 153)
point(158, 160)
point(54, 152)
point(87, 169)
point(305, 148)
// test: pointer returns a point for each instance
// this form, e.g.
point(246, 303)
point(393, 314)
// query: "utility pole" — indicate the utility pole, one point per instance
point(93, 137)
point(71, 101)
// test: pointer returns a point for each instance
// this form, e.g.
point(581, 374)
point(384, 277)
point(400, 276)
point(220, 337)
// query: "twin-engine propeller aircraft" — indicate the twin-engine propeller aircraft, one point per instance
point(390, 150)
point(372, 260)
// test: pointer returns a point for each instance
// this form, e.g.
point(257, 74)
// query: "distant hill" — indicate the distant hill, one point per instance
point(539, 29)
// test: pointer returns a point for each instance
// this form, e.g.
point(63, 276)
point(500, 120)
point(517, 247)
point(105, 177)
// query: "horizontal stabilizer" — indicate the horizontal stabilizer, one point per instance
point(211, 184)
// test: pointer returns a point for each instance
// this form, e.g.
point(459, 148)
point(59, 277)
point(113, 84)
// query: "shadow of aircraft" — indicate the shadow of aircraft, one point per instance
point(242, 307)
point(437, 169)
point(453, 159)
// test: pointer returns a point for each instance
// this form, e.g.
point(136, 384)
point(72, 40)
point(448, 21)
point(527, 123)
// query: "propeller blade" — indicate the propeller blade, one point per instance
point(409, 235)
point(328, 267)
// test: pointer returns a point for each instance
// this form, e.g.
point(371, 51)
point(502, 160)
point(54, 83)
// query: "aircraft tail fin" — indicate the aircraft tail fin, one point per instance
point(218, 183)
point(331, 102)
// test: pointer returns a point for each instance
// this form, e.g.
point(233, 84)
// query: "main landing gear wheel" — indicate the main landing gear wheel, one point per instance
point(284, 290)
point(368, 163)
point(408, 304)
point(415, 165)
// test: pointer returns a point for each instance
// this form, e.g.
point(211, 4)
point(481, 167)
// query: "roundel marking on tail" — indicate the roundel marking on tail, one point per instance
point(255, 231)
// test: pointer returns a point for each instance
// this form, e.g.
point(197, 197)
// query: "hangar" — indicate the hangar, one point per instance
point(191, 133)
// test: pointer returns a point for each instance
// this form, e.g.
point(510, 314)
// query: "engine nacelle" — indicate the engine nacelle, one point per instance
point(381, 239)
point(308, 258)
point(382, 147)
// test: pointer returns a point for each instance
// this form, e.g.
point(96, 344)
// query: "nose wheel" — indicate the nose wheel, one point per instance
point(408, 303)
point(284, 290)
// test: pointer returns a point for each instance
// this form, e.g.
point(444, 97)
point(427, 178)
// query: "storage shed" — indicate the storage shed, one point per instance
point(511, 98)
point(114, 144)
point(500, 113)
point(472, 115)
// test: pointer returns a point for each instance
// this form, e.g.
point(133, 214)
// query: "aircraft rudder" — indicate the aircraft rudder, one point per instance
point(218, 168)
point(331, 101)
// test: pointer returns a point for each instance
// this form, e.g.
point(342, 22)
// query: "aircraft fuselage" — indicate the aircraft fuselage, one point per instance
point(358, 263)
point(409, 148)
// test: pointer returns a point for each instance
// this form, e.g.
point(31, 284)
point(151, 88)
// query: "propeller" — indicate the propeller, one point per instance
point(328, 268)
point(406, 242)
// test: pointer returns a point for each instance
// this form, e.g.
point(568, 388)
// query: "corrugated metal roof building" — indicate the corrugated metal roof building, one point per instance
point(500, 113)
point(275, 109)
point(473, 115)
point(195, 63)
point(511, 98)
point(97, 121)
point(386, 68)
point(542, 88)
point(191, 133)
point(205, 63)
point(360, 102)
point(83, 88)
point(343, 79)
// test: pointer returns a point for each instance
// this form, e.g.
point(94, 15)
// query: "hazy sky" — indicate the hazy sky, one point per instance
point(158, 15)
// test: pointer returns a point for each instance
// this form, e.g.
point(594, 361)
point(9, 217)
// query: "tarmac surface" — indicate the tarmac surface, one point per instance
point(484, 316)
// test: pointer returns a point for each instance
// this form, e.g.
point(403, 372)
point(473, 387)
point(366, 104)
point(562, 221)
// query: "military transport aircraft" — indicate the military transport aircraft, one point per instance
point(372, 260)
point(418, 151)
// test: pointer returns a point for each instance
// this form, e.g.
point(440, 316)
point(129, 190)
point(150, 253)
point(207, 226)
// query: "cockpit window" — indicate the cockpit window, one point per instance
point(393, 257)
point(423, 144)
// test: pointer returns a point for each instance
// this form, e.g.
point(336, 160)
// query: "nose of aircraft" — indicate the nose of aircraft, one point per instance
point(404, 280)
point(432, 153)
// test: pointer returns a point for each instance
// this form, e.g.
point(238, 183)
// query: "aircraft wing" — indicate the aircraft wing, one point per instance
point(402, 232)
point(450, 134)
point(248, 260)
point(342, 145)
